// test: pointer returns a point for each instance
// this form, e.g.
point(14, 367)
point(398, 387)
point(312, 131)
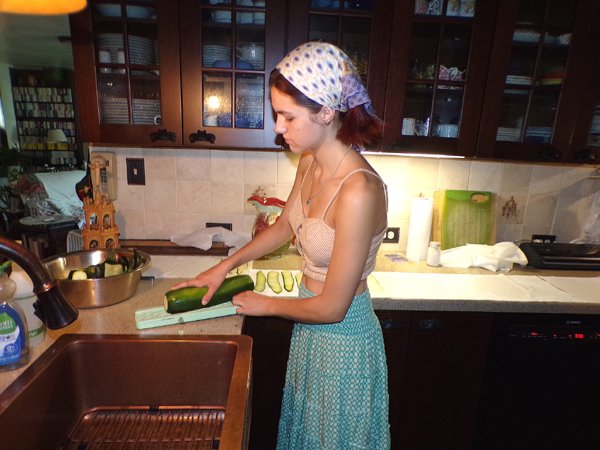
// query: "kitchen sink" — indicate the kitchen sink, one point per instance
point(126, 391)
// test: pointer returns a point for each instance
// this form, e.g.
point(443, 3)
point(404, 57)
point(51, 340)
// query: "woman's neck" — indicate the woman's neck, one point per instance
point(328, 156)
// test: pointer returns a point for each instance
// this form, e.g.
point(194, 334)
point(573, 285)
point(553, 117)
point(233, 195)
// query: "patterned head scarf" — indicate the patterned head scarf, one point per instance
point(326, 75)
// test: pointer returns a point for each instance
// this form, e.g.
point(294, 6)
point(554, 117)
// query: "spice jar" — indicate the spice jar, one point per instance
point(433, 254)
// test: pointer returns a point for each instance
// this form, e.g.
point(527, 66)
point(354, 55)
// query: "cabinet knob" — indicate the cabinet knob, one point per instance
point(163, 135)
point(550, 154)
point(391, 324)
point(430, 324)
point(202, 135)
point(584, 156)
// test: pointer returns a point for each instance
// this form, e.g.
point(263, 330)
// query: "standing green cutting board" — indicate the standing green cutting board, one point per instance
point(463, 217)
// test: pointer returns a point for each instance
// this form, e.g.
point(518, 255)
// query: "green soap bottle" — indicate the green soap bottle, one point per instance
point(14, 342)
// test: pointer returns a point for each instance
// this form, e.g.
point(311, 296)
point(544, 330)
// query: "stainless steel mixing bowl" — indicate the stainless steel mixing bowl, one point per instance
point(95, 293)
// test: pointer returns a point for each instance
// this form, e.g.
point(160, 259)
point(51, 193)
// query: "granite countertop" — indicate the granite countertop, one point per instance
point(120, 319)
point(394, 285)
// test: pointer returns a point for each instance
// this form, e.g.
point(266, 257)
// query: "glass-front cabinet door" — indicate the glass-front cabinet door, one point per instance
point(436, 77)
point(130, 53)
point(537, 70)
point(228, 49)
point(361, 28)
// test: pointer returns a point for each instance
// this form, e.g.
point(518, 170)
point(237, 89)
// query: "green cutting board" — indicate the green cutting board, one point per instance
point(463, 217)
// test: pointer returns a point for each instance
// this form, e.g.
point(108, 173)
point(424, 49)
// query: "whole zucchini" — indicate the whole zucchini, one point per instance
point(190, 298)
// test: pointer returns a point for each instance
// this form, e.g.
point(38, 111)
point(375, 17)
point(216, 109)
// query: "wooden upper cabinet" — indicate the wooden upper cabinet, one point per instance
point(362, 28)
point(585, 146)
point(126, 59)
point(536, 95)
point(166, 72)
point(438, 64)
point(228, 49)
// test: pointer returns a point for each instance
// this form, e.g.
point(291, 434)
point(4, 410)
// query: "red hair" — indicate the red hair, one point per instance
point(359, 128)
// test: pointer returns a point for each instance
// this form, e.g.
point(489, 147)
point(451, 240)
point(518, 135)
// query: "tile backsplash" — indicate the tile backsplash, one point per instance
point(186, 188)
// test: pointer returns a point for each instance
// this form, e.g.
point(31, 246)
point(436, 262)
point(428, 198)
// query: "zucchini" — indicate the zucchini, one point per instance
point(261, 281)
point(288, 280)
point(190, 298)
point(111, 270)
point(239, 270)
point(77, 275)
point(273, 281)
point(95, 271)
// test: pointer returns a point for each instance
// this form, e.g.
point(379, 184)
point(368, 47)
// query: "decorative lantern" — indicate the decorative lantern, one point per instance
point(100, 229)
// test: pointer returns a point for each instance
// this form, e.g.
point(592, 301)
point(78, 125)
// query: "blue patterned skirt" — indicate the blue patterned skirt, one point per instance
point(336, 393)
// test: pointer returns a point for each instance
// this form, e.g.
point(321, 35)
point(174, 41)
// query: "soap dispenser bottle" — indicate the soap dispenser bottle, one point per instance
point(14, 342)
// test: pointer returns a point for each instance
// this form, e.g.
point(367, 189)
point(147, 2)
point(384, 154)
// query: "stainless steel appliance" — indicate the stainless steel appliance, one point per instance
point(562, 256)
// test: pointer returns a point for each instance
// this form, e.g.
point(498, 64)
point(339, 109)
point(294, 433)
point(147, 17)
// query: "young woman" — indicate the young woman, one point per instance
point(335, 394)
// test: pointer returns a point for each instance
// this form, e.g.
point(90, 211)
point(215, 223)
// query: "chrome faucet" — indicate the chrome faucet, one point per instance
point(51, 306)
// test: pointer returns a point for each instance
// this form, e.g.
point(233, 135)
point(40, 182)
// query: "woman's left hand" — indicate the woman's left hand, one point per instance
point(251, 304)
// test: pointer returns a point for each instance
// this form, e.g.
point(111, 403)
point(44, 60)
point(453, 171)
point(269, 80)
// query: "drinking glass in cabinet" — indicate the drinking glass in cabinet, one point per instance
point(217, 99)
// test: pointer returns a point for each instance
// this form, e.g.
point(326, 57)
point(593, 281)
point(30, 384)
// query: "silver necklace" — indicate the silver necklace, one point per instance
point(312, 178)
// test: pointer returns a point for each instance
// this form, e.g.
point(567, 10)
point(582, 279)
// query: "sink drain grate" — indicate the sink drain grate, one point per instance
point(148, 428)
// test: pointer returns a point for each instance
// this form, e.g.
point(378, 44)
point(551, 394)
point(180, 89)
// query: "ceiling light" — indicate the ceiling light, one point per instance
point(42, 7)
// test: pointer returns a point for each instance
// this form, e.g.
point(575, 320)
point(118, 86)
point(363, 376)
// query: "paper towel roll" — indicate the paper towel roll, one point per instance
point(419, 228)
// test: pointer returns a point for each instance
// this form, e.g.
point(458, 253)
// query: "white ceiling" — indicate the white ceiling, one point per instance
point(32, 41)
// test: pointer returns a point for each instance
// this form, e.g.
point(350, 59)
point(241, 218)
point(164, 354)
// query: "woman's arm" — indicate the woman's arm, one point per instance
point(359, 215)
point(269, 239)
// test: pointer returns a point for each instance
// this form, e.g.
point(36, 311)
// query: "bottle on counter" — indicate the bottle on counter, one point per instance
point(433, 254)
point(14, 339)
point(25, 298)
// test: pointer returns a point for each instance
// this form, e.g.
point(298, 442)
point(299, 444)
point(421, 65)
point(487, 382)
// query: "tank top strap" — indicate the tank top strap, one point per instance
point(337, 191)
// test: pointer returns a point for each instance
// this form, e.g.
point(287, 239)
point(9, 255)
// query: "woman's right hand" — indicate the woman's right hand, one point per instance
point(211, 278)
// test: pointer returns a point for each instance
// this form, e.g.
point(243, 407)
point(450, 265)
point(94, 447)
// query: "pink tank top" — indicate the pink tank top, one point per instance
point(314, 238)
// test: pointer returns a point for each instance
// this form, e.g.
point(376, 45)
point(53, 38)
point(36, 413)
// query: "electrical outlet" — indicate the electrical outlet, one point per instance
point(392, 235)
point(227, 226)
point(135, 171)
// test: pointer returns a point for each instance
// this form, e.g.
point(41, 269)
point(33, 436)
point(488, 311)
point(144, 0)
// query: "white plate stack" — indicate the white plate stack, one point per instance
point(539, 134)
point(508, 134)
point(114, 110)
point(141, 51)
point(145, 111)
point(214, 52)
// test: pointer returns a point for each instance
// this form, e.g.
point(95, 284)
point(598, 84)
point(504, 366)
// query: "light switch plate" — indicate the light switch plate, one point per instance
point(136, 174)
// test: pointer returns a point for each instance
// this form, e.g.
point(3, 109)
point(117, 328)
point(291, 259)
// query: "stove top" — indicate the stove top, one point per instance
point(562, 256)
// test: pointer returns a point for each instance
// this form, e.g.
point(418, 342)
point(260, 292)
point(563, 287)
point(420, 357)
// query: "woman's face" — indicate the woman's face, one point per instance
point(297, 124)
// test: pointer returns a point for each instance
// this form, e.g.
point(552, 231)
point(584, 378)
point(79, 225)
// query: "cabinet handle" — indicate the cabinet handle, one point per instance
point(550, 154)
point(202, 135)
point(430, 324)
point(391, 324)
point(584, 156)
point(163, 135)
